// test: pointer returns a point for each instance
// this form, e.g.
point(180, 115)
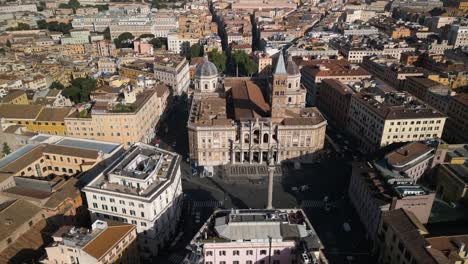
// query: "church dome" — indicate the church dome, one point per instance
point(292, 68)
point(206, 69)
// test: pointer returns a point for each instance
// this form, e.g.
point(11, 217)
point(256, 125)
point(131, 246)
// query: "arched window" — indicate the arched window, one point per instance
point(265, 138)
point(206, 86)
point(256, 136)
point(246, 138)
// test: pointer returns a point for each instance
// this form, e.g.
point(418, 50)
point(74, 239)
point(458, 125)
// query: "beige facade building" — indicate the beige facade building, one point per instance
point(132, 120)
point(252, 121)
point(378, 120)
point(105, 243)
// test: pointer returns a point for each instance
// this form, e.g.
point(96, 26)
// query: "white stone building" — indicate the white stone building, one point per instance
point(173, 70)
point(142, 187)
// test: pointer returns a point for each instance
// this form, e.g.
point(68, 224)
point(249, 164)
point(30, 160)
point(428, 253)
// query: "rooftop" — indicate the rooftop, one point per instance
point(143, 168)
point(258, 225)
point(103, 237)
point(410, 232)
point(407, 154)
point(397, 105)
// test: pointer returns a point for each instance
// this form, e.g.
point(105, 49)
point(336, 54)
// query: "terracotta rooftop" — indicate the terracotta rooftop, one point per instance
point(248, 100)
point(14, 111)
point(14, 214)
point(325, 68)
point(407, 153)
point(107, 239)
point(53, 114)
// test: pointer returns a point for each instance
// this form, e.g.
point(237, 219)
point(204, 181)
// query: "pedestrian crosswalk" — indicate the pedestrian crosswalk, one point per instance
point(176, 259)
point(208, 203)
point(312, 204)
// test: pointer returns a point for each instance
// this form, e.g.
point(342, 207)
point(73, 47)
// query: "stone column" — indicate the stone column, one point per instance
point(271, 171)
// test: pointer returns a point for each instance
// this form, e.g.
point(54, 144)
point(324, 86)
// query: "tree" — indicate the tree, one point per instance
point(57, 85)
point(8, 43)
point(158, 42)
point(244, 62)
point(6, 149)
point(250, 67)
point(74, 4)
point(195, 51)
point(124, 40)
point(42, 24)
point(20, 26)
point(147, 36)
point(107, 34)
point(218, 59)
point(80, 89)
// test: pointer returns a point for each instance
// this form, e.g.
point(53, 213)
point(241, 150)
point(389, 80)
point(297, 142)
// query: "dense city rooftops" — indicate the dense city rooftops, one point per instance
point(397, 105)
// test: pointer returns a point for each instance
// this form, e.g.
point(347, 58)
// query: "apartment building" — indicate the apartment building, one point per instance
point(102, 48)
point(164, 23)
point(132, 120)
point(142, 187)
point(373, 191)
point(390, 70)
point(35, 118)
point(378, 120)
point(315, 71)
point(456, 124)
point(265, 63)
point(77, 36)
point(106, 242)
point(258, 131)
point(12, 8)
point(56, 155)
point(257, 236)
point(443, 99)
point(172, 70)
point(335, 98)
point(451, 177)
point(403, 239)
point(354, 50)
point(458, 35)
point(193, 27)
point(137, 27)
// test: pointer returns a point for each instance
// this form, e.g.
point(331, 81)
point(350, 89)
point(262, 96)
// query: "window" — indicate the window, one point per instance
point(277, 252)
point(248, 262)
point(209, 253)
point(263, 252)
point(222, 253)
point(142, 214)
point(112, 200)
point(143, 224)
point(276, 261)
point(103, 198)
point(235, 253)
point(95, 205)
point(235, 262)
point(132, 212)
point(122, 202)
point(249, 252)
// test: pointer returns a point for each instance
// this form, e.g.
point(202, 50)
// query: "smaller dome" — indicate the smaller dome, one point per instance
point(206, 69)
point(292, 67)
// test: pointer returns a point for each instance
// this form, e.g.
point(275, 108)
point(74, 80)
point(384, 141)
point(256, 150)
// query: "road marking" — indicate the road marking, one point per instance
point(209, 203)
point(312, 204)
point(176, 259)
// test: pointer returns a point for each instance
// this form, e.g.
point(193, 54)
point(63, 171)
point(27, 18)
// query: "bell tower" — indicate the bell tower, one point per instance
point(280, 86)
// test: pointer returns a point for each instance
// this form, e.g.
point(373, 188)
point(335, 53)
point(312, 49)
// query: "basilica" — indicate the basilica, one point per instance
point(237, 120)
